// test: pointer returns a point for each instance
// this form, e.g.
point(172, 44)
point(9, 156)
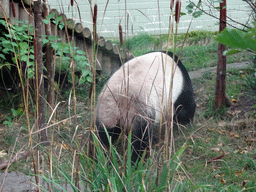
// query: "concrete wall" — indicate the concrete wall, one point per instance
point(145, 15)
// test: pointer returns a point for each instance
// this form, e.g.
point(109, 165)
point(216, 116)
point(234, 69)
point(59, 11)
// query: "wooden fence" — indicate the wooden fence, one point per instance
point(109, 56)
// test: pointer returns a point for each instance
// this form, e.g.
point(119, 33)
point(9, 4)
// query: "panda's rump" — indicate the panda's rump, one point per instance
point(141, 85)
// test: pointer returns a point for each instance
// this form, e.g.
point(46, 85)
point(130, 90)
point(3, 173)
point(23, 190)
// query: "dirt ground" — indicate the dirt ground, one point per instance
point(245, 104)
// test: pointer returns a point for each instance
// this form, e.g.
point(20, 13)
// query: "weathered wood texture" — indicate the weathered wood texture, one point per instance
point(109, 56)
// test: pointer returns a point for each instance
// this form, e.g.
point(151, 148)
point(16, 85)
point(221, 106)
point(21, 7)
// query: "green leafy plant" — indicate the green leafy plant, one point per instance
point(56, 20)
point(237, 39)
point(111, 172)
point(16, 45)
point(10, 119)
point(64, 54)
point(191, 8)
point(240, 41)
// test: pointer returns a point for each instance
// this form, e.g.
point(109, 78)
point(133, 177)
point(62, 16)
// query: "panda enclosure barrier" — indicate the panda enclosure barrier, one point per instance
point(109, 56)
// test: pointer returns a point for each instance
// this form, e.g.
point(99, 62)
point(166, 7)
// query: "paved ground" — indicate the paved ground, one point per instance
point(199, 73)
point(18, 182)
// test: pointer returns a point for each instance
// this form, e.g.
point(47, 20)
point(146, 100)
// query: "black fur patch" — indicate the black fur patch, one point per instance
point(142, 132)
point(185, 104)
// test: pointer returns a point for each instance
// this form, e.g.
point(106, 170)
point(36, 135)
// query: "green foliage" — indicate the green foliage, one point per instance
point(65, 54)
point(251, 80)
point(211, 111)
point(199, 51)
point(10, 119)
point(57, 21)
point(192, 9)
point(16, 43)
point(240, 41)
point(112, 172)
point(142, 43)
point(197, 56)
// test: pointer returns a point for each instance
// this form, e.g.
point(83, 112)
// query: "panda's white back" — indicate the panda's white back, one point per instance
point(146, 78)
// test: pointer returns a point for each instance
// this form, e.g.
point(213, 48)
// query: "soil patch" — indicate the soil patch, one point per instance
point(243, 108)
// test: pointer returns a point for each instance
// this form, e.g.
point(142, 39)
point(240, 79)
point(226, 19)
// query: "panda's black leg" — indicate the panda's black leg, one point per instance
point(112, 132)
point(103, 137)
point(142, 137)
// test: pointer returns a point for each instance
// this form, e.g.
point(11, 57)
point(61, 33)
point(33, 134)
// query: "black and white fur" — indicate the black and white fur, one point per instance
point(137, 94)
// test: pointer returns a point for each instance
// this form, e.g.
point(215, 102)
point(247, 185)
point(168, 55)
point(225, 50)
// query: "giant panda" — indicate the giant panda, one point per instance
point(137, 94)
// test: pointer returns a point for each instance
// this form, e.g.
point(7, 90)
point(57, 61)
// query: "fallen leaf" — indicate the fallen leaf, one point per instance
point(244, 183)
point(2, 153)
point(237, 111)
point(222, 123)
point(207, 140)
point(217, 176)
point(221, 131)
point(234, 100)
point(236, 136)
point(237, 173)
point(224, 153)
point(233, 113)
point(222, 181)
point(250, 140)
point(243, 72)
point(236, 151)
point(215, 149)
point(241, 151)
point(232, 134)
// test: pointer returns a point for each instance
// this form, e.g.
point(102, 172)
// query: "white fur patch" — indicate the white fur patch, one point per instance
point(147, 78)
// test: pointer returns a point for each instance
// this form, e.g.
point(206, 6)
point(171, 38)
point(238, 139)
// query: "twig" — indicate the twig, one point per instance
point(219, 19)
point(214, 159)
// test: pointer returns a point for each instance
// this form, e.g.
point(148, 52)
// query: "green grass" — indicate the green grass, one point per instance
point(214, 134)
point(200, 48)
point(197, 57)
point(211, 135)
point(229, 171)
